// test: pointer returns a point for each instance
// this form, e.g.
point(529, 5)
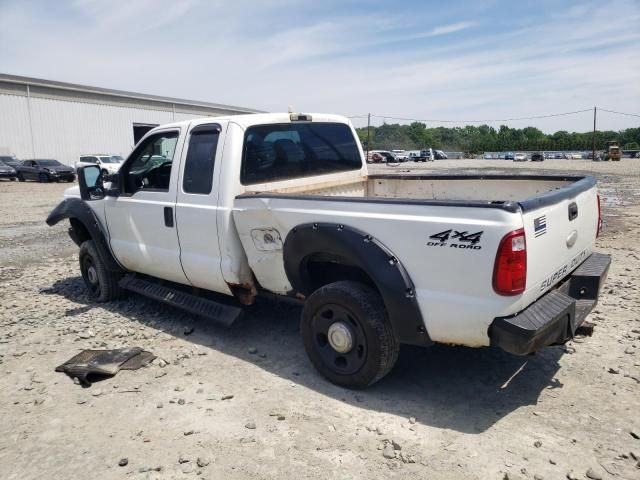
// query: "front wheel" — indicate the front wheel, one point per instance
point(347, 334)
point(20, 178)
point(101, 283)
point(43, 178)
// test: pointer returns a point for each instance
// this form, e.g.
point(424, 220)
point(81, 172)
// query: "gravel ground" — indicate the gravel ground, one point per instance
point(208, 408)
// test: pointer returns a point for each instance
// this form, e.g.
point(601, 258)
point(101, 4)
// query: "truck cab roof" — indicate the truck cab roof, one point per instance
point(248, 120)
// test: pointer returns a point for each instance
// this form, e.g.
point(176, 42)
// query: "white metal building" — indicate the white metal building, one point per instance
point(48, 119)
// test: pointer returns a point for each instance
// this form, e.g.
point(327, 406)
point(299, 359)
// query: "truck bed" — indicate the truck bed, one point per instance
point(494, 189)
point(411, 214)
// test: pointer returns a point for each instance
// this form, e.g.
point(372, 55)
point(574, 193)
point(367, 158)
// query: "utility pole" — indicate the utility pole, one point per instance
point(593, 143)
point(368, 135)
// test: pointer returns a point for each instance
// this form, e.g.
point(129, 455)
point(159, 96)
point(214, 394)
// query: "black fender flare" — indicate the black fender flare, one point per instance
point(77, 209)
point(367, 253)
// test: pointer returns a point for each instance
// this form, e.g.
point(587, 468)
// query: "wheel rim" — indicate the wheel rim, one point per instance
point(339, 339)
point(90, 274)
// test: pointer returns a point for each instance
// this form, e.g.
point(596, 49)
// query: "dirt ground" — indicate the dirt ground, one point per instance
point(208, 408)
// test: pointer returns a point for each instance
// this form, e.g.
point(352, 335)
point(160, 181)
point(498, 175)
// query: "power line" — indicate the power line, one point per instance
point(432, 120)
point(620, 113)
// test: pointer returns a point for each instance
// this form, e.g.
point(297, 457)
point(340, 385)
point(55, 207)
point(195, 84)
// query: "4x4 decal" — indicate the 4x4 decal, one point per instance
point(456, 239)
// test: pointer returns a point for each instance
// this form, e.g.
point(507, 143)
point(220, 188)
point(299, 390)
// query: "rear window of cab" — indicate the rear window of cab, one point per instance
point(293, 150)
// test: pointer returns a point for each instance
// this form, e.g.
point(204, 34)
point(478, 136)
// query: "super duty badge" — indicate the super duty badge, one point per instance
point(456, 239)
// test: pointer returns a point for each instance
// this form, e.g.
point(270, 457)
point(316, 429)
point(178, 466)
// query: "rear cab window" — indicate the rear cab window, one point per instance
point(293, 150)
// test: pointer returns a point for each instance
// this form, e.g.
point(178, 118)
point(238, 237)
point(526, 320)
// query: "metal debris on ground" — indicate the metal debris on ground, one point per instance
point(97, 364)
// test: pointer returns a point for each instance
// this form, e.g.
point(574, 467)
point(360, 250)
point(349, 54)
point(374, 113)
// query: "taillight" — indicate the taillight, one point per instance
point(599, 217)
point(510, 271)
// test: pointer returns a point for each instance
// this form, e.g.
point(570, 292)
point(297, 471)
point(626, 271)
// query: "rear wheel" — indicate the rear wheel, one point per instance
point(43, 178)
point(101, 283)
point(347, 334)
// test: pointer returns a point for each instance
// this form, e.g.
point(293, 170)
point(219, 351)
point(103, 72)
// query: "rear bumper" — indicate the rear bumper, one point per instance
point(553, 318)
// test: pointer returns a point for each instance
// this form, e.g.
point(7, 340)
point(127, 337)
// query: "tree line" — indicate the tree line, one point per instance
point(484, 138)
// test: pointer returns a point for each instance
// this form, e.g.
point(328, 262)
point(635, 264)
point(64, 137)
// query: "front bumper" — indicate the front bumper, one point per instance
point(553, 318)
point(4, 174)
point(62, 176)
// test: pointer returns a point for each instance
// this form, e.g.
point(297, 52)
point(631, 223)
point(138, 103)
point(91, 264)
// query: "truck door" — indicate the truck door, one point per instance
point(197, 207)
point(141, 220)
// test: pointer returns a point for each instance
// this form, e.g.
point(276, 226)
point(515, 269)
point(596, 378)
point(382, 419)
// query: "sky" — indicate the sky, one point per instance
point(440, 61)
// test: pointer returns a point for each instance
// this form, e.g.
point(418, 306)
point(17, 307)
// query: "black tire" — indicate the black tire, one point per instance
point(12, 179)
point(20, 178)
point(360, 310)
point(43, 177)
point(101, 283)
point(104, 172)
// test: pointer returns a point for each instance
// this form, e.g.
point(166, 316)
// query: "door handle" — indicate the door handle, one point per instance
point(573, 211)
point(168, 216)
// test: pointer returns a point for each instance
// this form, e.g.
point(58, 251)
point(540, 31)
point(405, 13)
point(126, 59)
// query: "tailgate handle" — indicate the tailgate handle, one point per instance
point(573, 211)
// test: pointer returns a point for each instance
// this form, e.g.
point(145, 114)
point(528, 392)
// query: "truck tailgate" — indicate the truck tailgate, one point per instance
point(560, 233)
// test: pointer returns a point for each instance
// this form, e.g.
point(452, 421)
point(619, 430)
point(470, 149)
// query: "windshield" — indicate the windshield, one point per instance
point(49, 163)
point(292, 150)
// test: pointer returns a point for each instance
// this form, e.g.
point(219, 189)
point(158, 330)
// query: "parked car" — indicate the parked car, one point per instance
point(107, 163)
point(426, 155)
point(401, 155)
point(520, 157)
point(10, 160)
point(537, 157)
point(387, 156)
point(45, 170)
point(375, 157)
point(439, 155)
point(413, 155)
point(509, 156)
point(488, 156)
point(7, 171)
point(374, 260)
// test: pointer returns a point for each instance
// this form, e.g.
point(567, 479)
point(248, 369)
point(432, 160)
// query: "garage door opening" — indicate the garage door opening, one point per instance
point(140, 129)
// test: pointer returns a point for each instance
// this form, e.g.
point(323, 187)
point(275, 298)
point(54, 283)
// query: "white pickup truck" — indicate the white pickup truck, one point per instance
point(208, 215)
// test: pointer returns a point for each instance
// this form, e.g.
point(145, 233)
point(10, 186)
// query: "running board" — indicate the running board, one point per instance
point(210, 309)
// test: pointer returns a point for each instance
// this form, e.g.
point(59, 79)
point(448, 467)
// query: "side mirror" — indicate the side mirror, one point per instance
point(90, 182)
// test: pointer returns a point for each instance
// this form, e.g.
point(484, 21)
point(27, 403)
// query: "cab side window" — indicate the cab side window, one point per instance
point(198, 168)
point(150, 164)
